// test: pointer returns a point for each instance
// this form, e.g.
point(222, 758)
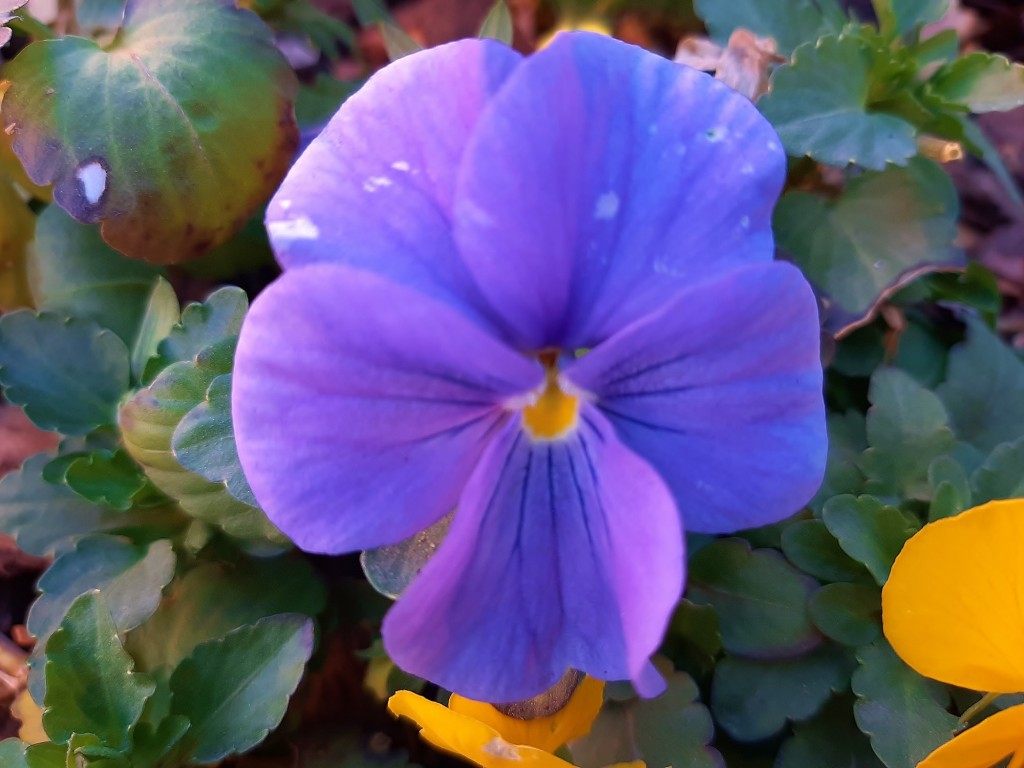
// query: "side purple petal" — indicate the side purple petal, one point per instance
point(361, 406)
point(374, 190)
point(601, 180)
point(561, 554)
point(721, 391)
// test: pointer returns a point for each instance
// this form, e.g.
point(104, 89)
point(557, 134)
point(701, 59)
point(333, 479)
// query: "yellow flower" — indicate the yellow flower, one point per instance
point(480, 733)
point(953, 608)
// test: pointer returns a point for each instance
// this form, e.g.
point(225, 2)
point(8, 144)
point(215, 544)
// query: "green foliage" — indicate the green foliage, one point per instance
point(169, 187)
point(850, 614)
point(907, 428)
point(760, 599)
point(904, 714)
point(91, 687)
point(148, 423)
point(811, 548)
point(130, 578)
point(753, 700)
point(1001, 476)
point(897, 17)
point(881, 227)
point(671, 730)
point(789, 22)
point(74, 396)
point(12, 754)
point(390, 569)
point(73, 273)
point(820, 105)
point(831, 740)
point(869, 531)
point(498, 23)
point(235, 690)
point(982, 82)
point(110, 478)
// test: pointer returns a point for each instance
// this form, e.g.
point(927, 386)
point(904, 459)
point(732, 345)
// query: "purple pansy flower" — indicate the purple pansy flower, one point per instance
point(540, 292)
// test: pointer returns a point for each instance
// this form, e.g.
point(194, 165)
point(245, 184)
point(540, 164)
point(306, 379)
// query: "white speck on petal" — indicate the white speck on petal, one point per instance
point(501, 748)
point(374, 183)
point(286, 204)
point(652, 128)
point(300, 228)
point(680, 149)
point(745, 222)
point(607, 206)
point(401, 165)
point(772, 146)
point(747, 169)
point(93, 179)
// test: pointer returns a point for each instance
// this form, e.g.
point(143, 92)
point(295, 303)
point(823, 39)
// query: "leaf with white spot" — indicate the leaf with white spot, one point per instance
point(170, 160)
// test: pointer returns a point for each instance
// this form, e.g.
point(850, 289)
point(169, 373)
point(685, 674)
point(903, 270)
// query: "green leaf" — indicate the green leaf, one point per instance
point(673, 729)
point(850, 614)
point(390, 569)
point(211, 600)
point(811, 548)
point(100, 15)
point(130, 578)
point(693, 640)
point(789, 22)
point(820, 106)
point(753, 700)
point(152, 744)
point(90, 683)
point(161, 316)
point(204, 442)
point(87, 749)
point(831, 740)
point(952, 489)
point(68, 374)
point(982, 82)
point(46, 519)
point(868, 531)
point(396, 42)
point(884, 227)
point(47, 755)
point(981, 393)
point(74, 273)
point(904, 714)
point(111, 478)
point(907, 429)
point(200, 153)
point(760, 599)
point(202, 325)
point(498, 24)
point(897, 17)
point(847, 439)
point(1001, 476)
point(234, 691)
point(148, 421)
point(12, 754)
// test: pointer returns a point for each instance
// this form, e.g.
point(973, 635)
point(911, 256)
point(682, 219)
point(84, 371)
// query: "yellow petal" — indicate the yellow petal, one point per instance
point(546, 733)
point(31, 717)
point(984, 745)
point(953, 607)
point(467, 737)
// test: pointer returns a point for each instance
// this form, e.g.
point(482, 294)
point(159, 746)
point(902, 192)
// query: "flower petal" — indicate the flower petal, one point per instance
point(720, 391)
point(601, 180)
point(984, 745)
point(547, 733)
point(953, 607)
point(561, 554)
point(366, 431)
point(465, 736)
point(375, 189)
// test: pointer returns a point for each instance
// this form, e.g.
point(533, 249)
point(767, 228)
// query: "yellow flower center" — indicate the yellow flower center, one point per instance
point(555, 412)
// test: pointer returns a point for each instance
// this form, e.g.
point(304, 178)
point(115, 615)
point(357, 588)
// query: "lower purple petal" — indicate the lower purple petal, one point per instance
point(361, 407)
point(721, 392)
point(561, 554)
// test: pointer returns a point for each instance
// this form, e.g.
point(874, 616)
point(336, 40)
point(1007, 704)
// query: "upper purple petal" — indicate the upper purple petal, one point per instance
point(602, 179)
point(561, 554)
point(720, 391)
point(375, 189)
point(361, 406)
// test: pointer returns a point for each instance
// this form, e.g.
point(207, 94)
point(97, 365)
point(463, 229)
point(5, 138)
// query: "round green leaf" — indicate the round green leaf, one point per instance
point(171, 137)
point(848, 613)
point(760, 599)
